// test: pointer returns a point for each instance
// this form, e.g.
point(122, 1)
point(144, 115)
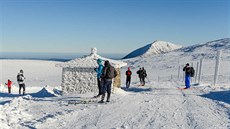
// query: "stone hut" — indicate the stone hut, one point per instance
point(79, 77)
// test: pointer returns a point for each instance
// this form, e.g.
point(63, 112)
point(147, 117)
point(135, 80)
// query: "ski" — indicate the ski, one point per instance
point(183, 88)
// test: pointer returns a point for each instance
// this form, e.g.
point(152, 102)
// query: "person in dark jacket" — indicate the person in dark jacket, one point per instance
point(187, 70)
point(128, 77)
point(108, 73)
point(143, 75)
point(20, 79)
point(99, 80)
point(139, 75)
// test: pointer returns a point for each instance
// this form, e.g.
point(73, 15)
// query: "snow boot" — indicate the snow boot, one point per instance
point(102, 101)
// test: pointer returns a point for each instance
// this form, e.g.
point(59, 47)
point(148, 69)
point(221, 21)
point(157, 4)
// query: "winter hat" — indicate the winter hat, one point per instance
point(187, 64)
point(128, 68)
point(99, 60)
point(21, 71)
point(106, 63)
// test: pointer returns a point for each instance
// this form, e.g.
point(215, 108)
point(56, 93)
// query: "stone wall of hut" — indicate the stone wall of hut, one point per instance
point(78, 81)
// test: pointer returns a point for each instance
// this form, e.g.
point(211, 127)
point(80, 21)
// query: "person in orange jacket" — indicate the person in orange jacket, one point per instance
point(9, 83)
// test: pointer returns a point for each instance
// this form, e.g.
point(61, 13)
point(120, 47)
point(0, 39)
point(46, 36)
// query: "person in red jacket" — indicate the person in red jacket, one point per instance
point(9, 83)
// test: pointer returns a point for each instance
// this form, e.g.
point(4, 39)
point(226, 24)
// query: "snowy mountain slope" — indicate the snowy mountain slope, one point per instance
point(168, 63)
point(208, 49)
point(155, 48)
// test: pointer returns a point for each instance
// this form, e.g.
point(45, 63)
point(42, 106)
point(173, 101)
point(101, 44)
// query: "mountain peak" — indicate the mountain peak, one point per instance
point(154, 48)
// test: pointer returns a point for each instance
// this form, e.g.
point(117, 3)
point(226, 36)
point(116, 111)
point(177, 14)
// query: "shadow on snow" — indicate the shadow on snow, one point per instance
point(223, 96)
point(137, 89)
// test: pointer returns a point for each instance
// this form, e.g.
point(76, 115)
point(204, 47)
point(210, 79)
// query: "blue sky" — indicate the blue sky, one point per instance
point(113, 26)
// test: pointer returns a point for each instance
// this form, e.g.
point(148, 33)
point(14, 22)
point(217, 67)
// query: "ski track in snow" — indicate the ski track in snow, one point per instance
point(163, 107)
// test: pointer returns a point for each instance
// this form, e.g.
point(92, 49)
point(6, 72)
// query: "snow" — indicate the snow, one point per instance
point(158, 105)
point(90, 61)
point(155, 48)
point(40, 73)
point(79, 76)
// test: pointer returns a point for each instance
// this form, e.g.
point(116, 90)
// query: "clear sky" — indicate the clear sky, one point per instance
point(113, 26)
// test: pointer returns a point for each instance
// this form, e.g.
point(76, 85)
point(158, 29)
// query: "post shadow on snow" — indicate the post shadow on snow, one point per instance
point(137, 89)
point(223, 96)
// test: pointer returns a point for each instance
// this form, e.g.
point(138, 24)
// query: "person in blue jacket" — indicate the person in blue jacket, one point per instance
point(99, 80)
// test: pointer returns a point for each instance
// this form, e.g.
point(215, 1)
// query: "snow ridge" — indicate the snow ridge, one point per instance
point(215, 45)
point(155, 48)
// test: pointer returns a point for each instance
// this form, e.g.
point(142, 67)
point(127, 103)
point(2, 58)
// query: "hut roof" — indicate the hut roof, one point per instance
point(89, 61)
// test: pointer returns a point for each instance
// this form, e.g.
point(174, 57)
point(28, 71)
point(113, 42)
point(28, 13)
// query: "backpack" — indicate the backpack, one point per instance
point(144, 74)
point(111, 72)
point(192, 72)
point(19, 78)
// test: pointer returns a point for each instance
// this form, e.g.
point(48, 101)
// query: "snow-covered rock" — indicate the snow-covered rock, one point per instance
point(155, 48)
point(46, 92)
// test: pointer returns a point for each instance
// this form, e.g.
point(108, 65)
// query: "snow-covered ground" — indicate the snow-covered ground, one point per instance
point(158, 105)
point(37, 72)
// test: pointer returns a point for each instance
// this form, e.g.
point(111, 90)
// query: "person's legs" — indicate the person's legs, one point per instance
point(20, 87)
point(104, 89)
point(99, 84)
point(9, 89)
point(143, 79)
point(127, 82)
point(24, 88)
point(109, 85)
point(187, 81)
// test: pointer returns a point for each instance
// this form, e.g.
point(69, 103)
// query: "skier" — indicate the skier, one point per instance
point(99, 80)
point(128, 77)
point(188, 71)
point(108, 74)
point(20, 79)
point(139, 75)
point(9, 83)
point(143, 75)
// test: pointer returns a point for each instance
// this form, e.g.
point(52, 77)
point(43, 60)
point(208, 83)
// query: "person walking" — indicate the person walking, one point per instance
point(128, 77)
point(139, 75)
point(9, 83)
point(108, 74)
point(20, 79)
point(143, 75)
point(99, 80)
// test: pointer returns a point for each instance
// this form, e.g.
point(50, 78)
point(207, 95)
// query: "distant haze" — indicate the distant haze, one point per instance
point(52, 56)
